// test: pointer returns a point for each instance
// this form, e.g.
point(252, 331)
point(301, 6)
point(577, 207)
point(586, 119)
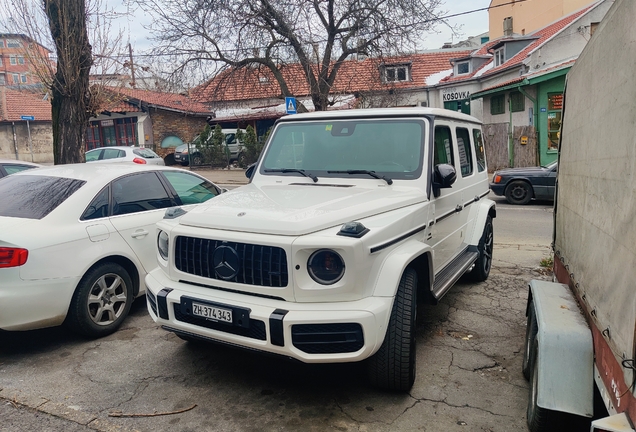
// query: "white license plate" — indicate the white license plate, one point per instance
point(212, 313)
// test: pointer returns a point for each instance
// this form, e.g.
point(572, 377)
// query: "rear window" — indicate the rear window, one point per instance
point(33, 196)
point(145, 153)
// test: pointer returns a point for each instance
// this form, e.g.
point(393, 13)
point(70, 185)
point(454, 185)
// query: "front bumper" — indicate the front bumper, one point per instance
point(309, 332)
point(498, 188)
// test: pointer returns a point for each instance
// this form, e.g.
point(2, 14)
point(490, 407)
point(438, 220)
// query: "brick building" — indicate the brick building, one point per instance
point(18, 55)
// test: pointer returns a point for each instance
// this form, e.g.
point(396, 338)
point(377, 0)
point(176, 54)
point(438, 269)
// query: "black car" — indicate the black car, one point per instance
point(520, 185)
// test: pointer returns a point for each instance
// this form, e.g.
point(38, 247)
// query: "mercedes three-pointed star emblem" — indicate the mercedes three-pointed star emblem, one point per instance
point(226, 262)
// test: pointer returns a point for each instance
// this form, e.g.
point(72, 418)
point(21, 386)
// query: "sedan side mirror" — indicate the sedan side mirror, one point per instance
point(443, 177)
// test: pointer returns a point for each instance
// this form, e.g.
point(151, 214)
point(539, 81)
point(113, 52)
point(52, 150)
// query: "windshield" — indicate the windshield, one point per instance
point(327, 148)
point(145, 153)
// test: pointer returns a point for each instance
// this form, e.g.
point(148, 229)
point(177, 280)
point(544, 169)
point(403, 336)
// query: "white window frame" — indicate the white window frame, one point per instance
point(16, 78)
point(500, 56)
point(467, 62)
point(0, 60)
point(23, 78)
point(20, 60)
point(395, 69)
point(1, 43)
point(13, 43)
point(13, 60)
point(3, 81)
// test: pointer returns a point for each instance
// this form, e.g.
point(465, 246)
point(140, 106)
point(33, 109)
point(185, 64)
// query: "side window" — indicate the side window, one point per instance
point(98, 208)
point(12, 169)
point(139, 192)
point(443, 146)
point(93, 155)
point(113, 153)
point(465, 153)
point(230, 138)
point(190, 189)
point(479, 150)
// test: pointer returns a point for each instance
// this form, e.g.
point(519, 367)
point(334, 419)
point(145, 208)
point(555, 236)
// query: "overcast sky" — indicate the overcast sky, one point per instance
point(472, 23)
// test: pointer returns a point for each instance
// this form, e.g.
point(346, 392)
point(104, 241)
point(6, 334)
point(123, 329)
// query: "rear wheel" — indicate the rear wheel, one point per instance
point(101, 301)
point(485, 247)
point(519, 192)
point(196, 159)
point(393, 366)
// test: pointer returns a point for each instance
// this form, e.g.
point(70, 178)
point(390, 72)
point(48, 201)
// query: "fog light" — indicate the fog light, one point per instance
point(326, 266)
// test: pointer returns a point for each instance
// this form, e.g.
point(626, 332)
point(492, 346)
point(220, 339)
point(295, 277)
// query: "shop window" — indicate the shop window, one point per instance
point(92, 136)
point(517, 101)
point(126, 131)
point(555, 106)
point(498, 104)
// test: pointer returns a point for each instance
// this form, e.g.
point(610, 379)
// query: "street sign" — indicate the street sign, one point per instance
point(290, 105)
point(27, 118)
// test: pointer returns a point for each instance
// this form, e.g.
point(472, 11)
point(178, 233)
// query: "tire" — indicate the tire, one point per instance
point(485, 248)
point(393, 366)
point(242, 160)
point(519, 192)
point(196, 159)
point(101, 300)
point(532, 329)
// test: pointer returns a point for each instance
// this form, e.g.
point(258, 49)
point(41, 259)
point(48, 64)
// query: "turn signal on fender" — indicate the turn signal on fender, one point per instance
point(13, 257)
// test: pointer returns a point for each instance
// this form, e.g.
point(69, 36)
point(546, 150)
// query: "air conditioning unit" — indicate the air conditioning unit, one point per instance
point(423, 103)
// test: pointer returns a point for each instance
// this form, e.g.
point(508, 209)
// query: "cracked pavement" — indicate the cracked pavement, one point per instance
point(469, 376)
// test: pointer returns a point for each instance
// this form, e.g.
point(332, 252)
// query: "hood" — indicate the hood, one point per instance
point(297, 209)
point(521, 171)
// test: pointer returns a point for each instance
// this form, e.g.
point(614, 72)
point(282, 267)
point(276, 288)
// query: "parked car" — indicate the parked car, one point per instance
point(76, 241)
point(182, 156)
point(351, 217)
point(138, 155)
point(10, 166)
point(520, 185)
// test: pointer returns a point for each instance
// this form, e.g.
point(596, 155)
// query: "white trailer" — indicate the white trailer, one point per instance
point(581, 327)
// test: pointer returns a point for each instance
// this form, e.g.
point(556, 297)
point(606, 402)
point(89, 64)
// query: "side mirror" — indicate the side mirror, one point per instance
point(249, 172)
point(443, 178)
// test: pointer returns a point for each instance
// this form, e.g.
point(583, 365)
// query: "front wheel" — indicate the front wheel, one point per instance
point(393, 366)
point(483, 264)
point(532, 329)
point(101, 301)
point(519, 192)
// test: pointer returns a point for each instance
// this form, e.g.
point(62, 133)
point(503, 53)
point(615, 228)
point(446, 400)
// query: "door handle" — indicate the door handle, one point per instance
point(458, 208)
point(139, 234)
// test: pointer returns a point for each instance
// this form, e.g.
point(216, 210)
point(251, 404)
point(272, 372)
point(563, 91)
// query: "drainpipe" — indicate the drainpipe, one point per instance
point(511, 144)
point(15, 140)
point(536, 121)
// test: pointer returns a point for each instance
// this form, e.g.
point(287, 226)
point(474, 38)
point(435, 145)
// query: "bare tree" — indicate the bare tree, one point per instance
point(68, 27)
point(266, 34)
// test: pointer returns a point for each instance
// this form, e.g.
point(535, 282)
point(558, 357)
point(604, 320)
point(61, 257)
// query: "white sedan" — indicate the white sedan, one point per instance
point(138, 155)
point(76, 241)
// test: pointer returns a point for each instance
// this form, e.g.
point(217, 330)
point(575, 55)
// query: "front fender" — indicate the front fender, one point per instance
point(486, 207)
point(393, 266)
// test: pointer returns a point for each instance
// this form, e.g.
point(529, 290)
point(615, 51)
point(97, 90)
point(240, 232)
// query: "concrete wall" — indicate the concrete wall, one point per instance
point(41, 149)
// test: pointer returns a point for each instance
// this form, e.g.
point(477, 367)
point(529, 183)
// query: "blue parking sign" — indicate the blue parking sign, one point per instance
point(290, 105)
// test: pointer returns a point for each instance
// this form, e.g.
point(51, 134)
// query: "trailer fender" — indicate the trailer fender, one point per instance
point(485, 208)
point(565, 350)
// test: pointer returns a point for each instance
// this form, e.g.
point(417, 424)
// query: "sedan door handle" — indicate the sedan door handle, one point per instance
point(458, 208)
point(139, 234)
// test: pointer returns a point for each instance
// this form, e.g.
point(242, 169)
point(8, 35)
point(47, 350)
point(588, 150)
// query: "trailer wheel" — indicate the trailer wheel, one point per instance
point(393, 366)
point(531, 334)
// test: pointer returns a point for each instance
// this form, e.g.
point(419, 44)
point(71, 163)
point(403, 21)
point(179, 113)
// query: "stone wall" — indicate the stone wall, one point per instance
point(41, 149)
point(167, 123)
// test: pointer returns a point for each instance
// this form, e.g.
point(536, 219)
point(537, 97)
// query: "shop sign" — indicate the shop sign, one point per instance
point(106, 123)
point(452, 94)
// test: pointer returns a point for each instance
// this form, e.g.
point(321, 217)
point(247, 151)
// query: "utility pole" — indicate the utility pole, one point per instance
point(132, 66)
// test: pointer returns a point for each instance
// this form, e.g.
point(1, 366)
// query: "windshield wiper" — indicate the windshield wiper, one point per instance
point(294, 170)
point(371, 173)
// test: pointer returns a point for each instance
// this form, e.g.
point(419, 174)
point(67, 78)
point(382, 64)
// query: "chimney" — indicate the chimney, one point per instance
point(447, 45)
point(507, 26)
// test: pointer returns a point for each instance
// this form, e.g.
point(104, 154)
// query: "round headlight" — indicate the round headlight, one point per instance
point(163, 244)
point(325, 266)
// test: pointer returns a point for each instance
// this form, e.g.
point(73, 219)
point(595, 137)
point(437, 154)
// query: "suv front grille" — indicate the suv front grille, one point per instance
point(257, 265)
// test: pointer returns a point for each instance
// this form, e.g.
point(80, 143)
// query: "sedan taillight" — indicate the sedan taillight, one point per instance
point(139, 160)
point(12, 257)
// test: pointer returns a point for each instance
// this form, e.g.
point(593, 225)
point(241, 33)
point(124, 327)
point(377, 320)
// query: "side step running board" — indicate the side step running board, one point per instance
point(446, 278)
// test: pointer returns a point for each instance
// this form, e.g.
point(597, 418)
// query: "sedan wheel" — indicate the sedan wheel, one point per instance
point(101, 301)
point(519, 192)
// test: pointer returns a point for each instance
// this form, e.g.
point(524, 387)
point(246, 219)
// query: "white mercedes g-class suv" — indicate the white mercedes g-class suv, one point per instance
point(350, 219)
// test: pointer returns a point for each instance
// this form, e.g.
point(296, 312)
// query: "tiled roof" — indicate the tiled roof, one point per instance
point(542, 36)
point(15, 103)
point(563, 65)
point(129, 99)
point(353, 76)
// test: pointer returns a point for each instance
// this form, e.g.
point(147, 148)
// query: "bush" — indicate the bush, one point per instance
point(252, 146)
point(211, 145)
